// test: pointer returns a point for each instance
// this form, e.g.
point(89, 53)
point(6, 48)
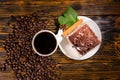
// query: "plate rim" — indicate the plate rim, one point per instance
point(84, 56)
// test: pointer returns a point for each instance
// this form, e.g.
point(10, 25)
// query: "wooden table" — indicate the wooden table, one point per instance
point(104, 65)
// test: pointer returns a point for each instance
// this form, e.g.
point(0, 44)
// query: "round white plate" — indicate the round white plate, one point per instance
point(69, 51)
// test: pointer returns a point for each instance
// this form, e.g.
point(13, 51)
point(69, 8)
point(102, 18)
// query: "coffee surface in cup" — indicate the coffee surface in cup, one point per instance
point(45, 43)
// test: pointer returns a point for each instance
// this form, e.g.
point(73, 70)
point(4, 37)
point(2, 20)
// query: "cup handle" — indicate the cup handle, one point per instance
point(59, 35)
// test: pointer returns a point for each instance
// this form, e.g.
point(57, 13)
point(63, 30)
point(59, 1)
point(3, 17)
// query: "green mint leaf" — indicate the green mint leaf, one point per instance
point(69, 17)
point(71, 14)
point(65, 21)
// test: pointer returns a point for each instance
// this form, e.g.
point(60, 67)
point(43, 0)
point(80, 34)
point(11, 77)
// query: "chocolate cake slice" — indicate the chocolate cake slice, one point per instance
point(83, 39)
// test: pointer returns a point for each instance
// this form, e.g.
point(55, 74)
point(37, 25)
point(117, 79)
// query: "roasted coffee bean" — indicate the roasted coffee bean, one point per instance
point(3, 68)
point(25, 63)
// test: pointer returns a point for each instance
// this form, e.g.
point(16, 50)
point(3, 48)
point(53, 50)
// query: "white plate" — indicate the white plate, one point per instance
point(69, 51)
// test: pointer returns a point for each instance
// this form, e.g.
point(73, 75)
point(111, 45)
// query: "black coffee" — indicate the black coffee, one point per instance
point(45, 43)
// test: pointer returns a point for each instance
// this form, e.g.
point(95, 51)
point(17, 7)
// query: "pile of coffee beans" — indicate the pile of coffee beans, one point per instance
point(25, 63)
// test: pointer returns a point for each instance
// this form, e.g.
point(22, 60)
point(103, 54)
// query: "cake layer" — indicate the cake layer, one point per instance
point(84, 39)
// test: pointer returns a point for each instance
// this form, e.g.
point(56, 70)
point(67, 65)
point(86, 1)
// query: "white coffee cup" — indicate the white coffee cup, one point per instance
point(44, 43)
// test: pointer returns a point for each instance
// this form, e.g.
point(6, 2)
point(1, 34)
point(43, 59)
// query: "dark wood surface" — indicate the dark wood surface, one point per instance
point(104, 65)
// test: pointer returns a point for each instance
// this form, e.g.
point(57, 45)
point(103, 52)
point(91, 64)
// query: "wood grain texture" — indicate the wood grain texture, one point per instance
point(104, 65)
point(84, 7)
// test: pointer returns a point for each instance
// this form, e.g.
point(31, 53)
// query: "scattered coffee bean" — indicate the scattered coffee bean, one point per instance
point(25, 63)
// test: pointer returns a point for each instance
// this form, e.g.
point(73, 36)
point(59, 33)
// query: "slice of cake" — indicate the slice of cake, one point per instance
point(83, 39)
